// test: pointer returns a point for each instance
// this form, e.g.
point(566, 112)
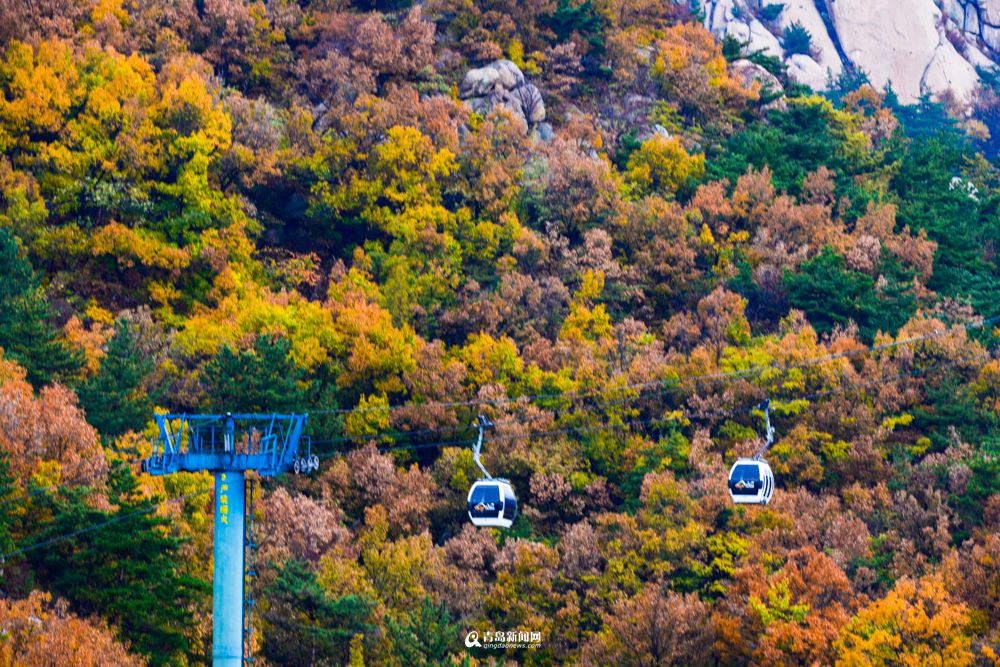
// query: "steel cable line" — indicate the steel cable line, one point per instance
point(608, 402)
point(658, 384)
point(69, 482)
point(97, 526)
point(696, 417)
point(672, 389)
point(53, 487)
point(507, 437)
point(748, 372)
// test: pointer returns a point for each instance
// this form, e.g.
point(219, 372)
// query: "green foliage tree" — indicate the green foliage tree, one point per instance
point(983, 484)
point(732, 48)
point(949, 408)
point(263, 379)
point(962, 225)
point(426, 637)
point(771, 11)
point(8, 488)
point(585, 21)
point(129, 571)
point(797, 39)
point(382, 5)
point(990, 115)
point(26, 334)
point(791, 143)
point(850, 80)
point(582, 19)
point(831, 295)
point(303, 625)
point(115, 400)
point(927, 119)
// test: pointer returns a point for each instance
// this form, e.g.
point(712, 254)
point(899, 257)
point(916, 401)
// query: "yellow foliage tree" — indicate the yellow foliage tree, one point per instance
point(377, 351)
point(585, 320)
point(690, 69)
point(249, 309)
point(662, 166)
point(915, 625)
point(490, 360)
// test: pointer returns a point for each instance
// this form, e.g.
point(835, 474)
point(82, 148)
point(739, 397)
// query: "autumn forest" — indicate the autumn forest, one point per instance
point(596, 224)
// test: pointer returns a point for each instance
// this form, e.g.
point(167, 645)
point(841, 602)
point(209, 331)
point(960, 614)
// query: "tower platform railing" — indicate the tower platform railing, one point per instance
point(266, 443)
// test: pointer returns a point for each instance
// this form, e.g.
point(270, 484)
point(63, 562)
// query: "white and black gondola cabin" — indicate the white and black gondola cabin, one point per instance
point(751, 482)
point(492, 503)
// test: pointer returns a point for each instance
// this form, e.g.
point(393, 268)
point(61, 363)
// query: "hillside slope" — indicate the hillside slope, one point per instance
point(595, 223)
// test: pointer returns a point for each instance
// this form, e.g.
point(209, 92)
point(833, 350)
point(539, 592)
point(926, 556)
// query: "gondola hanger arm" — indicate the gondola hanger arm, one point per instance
point(482, 423)
point(768, 429)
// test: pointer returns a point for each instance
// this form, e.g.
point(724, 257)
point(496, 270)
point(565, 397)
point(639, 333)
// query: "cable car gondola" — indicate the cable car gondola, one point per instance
point(751, 480)
point(491, 501)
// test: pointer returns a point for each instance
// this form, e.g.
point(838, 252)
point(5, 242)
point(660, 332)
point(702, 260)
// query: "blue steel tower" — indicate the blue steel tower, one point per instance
point(228, 446)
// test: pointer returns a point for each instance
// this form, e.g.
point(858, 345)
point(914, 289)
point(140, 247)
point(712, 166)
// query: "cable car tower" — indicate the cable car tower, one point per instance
point(229, 446)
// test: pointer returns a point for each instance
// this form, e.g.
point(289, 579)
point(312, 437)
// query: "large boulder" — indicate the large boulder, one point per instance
point(917, 46)
point(502, 84)
point(479, 82)
point(753, 76)
point(719, 14)
point(807, 71)
point(824, 51)
point(756, 37)
point(902, 43)
point(499, 74)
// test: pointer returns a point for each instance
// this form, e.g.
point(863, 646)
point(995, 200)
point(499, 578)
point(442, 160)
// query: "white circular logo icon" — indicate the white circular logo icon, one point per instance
point(472, 639)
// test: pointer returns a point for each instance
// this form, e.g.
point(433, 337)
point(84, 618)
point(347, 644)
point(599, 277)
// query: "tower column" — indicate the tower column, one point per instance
point(227, 596)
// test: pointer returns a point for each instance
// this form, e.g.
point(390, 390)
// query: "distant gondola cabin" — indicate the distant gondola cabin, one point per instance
point(492, 503)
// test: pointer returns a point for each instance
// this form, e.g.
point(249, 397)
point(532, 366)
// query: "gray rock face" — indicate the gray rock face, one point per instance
point(656, 131)
point(903, 44)
point(917, 46)
point(757, 38)
point(502, 84)
point(805, 70)
point(826, 60)
point(484, 80)
point(750, 72)
point(980, 18)
point(544, 132)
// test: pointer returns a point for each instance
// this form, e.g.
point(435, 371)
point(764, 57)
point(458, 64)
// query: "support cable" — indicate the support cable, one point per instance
point(98, 526)
point(510, 437)
point(748, 372)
